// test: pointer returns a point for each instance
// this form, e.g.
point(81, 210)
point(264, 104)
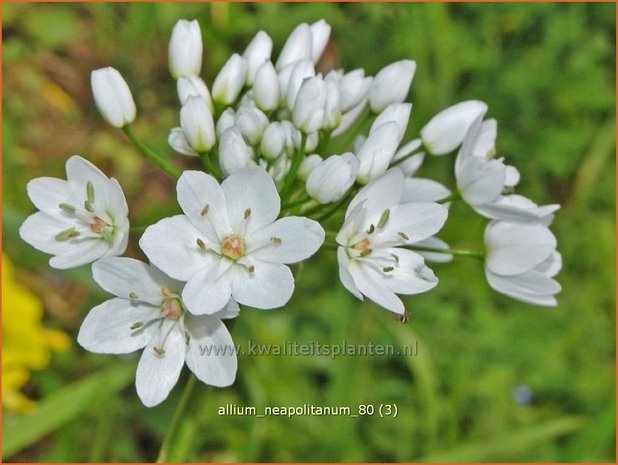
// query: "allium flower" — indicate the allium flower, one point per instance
point(148, 313)
point(521, 261)
point(309, 107)
point(372, 260)
point(185, 49)
point(332, 178)
point(81, 219)
point(193, 86)
point(320, 33)
point(391, 84)
point(266, 87)
point(354, 88)
point(228, 243)
point(234, 153)
point(112, 97)
point(376, 152)
point(230, 80)
point(298, 46)
point(197, 124)
point(257, 52)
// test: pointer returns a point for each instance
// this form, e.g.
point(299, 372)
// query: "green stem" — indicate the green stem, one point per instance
point(163, 456)
point(449, 198)
point(330, 246)
point(456, 252)
point(209, 164)
point(304, 198)
point(296, 161)
point(334, 208)
point(150, 154)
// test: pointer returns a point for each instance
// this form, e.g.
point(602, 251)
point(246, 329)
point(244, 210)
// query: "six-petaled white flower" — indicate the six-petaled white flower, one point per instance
point(148, 313)
point(81, 219)
point(372, 259)
point(229, 242)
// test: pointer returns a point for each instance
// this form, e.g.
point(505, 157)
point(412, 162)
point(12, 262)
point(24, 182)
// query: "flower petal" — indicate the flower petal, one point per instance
point(380, 194)
point(203, 202)
point(211, 354)
point(373, 285)
point(412, 222)
point(48, 193)
point(344, 273)
point(207, 292)
point(157, 374)
point(171, 244)
point(107, 327)
point(287, 240)
point(423, 190)
point(410, 275)
point(480, 181)
point(514, 248)
point(516, 208)
point(434, 243)
point(531, 287)
point(269, 285)
point(231, 310)
point(80, 172)
point(252, 199)
point(82, 252)
point(40, 229)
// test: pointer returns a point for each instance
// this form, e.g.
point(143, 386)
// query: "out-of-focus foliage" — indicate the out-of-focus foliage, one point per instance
point(546, 71)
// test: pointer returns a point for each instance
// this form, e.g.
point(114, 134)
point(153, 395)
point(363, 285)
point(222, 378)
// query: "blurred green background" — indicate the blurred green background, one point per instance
point(547, 73)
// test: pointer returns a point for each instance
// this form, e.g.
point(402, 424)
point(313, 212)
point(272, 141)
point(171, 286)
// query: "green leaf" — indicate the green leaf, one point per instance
point(63, 406)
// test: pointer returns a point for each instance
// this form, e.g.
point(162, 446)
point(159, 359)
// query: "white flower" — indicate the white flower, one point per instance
point(266, 87)
point(185, 49)
point(228, 243)
point(354, 88)
point(397, 112)
point(273, 141)
point(251, 122)
point(376, 152)
point(148, 313)
point(178, 141)
point(446, 131)
point(298, 46)
point(197, 124)
point(112, 97)
point(332, 106)
point(320, 33)
point(226, 120)
point(517, 208)
point(234, 153)
point(521, 260)
point(372, 260)
point(309, 108)
point(332, 178)
point(230, 80)
point(257, 52)
point(391, 85)
point(193, 86)
point(81, 219)
point(307, 166)
point(300, 72)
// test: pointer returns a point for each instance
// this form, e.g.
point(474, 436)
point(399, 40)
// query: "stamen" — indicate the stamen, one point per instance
point(90, 192)
point(166, 292)
point(187, 338)
point(201, 245)
point(67, 208)
point(388, 269)
point(247, 213)
point(396, 258)
point(159, 350)
point(204, 211)
point(66, 235)
point(403, 236)
point(251, 269)
point(137, 325)
point(384, 218)
point(88, 206)
point(276, 240)
point(371, 229)
point(133, 295)
point(366, 252)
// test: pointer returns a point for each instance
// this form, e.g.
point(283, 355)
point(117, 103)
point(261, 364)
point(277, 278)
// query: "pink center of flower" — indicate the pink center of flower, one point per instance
point(363, 245)
point(233, 247)
point(97, 225)
point(171, 308)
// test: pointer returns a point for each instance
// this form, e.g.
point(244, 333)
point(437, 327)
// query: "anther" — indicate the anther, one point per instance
point(133, 295)
point(276, 240)
point(371, 229)
point(384, 218)
point(403, 236)
point(388, 269)
point(67, 208)
point(396, 257)
point(66, 234)
point(366, 252)
point(247, 213)
point(90, 192)
point(88, 206)
point(159, 350)
point(187, 338)
point(201, 245)
point(251, 269)
point(166, 292)
point(204, 211)
point(137, 325)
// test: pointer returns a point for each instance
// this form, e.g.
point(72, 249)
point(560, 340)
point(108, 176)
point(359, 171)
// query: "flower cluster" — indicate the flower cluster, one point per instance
point(271, 191)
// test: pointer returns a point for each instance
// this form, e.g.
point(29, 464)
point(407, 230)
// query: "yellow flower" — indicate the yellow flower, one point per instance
point(26, 343)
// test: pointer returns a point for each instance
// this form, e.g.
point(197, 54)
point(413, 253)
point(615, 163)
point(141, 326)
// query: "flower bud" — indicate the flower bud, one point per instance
point(279, 169)
point(332, 178)
point(230, 80)
point(257, 52)
point(112, 97)
point(273, 141)
point(391, 84)
point(485, 144)
point(185, 49)
point(234, 153)
point(292, 137)
point(312, 142)
point(332, 109)
point(307, 166)
point(308, 115)
point(193, 86)
point(178, 142)
point(297, 47)
point(354, 88)
point(302, 70)
point(377, 151)
point(320, 33)
point(227, 119)
point(266, 87)
point(197, 124)
point(397, 112)
point(251, 123)
point(446, 131)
